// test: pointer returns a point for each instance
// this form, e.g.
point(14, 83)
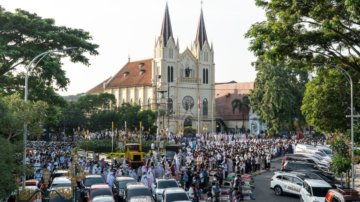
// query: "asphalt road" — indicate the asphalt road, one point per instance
point(262, 191)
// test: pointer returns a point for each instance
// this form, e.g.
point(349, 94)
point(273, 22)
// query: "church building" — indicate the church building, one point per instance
point(174, 81)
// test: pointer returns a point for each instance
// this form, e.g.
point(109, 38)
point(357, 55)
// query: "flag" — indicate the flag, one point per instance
point(199, 102)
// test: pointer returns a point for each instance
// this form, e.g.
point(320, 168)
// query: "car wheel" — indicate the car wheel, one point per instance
point(278, 190)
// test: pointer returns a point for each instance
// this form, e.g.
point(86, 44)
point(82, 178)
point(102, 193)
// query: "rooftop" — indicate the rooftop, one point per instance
point(99, 88)
point(130, 75)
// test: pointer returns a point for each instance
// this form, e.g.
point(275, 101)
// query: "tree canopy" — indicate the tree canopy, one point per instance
point(15, 112)
point(302, 32)
point(25, 35)
point(278, 94)
point(91, 102)
point(327, 101)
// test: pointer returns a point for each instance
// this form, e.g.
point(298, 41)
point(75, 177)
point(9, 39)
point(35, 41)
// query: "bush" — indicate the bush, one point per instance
point(98, 146)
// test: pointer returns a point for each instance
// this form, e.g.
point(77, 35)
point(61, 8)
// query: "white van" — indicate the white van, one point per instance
point(303, 147)
point(314, 190)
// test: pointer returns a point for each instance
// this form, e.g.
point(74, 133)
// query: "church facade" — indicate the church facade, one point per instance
point(173, 81)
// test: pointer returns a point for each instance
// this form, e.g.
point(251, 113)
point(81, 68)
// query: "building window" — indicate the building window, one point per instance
point(187, 72)
point(205, 107)
point(123, 101)
point(204, 79)
point(169, 72)
point(140, 103)
point(170, 105)
point(172, 74)
point(149, 103)
point(131, 101)
point(206, 56)
point(171, 55)
point(207, 76)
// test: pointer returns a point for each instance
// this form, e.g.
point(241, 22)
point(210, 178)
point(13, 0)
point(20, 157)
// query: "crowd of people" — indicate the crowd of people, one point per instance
point(208, 158)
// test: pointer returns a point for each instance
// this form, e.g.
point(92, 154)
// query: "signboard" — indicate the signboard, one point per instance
point(120, 144)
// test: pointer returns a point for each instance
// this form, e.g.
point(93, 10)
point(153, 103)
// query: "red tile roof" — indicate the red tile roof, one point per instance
point(99, 88)
point(133, 78)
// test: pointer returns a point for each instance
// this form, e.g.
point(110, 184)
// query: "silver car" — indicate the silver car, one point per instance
point(160, 185)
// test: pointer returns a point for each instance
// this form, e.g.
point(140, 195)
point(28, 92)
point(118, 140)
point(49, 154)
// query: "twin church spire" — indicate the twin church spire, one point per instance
point(166, 29)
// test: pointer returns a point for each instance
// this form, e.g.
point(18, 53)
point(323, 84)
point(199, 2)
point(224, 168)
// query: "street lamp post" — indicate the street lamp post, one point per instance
point(26, 97)
point(348, 77)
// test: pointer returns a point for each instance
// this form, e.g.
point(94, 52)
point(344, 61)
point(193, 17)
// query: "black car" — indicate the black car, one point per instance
point(298, 165)
point(88, 181)
point(327, 177)
point(120, 183)
point(136, 189)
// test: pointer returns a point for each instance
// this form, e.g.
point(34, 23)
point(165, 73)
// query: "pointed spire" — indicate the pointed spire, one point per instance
point(166, 29)
point(201, 35)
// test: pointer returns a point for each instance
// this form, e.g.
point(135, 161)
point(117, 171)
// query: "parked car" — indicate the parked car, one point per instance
point(342, 195)
point(136, 189)
point(314, 190)
point(103, 199)
point(57, 198)
point(120, 183)
point(175, 194)
point(298, 165)
point(58, 173)
point(88, 181)
point(141, 199)
point(327, 177)
point(98, 190)
point(309, 159)
point(283, 182)
point(60, 182)
point(160, 184)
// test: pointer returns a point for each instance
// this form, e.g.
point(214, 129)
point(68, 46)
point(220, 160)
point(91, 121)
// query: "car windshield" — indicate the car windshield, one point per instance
point(169, 153)
point(166, 184)
point(61, 185)
point(138, 192)
point(176, 197)
point(90, 181)
point(123, 183)
point(57, 175)
point(320, 154)
point(320, 191)
point(327, 151)
point(100, 192)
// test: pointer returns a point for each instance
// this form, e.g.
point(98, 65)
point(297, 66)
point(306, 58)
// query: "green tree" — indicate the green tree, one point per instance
point(304, 32)
point(17, 112)
point(25, 35)
point(242, 106)
point(91, 102)
point(327, 101)
point(278, 94)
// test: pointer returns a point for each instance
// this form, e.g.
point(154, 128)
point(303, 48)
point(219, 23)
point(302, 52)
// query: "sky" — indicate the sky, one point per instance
point(121, 27)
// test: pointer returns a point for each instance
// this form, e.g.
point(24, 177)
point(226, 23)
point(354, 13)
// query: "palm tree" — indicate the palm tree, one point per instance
point(241, 105)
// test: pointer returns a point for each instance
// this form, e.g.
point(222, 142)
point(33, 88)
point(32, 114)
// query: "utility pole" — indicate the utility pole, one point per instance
point(112, 137)
point(158, 135)
point(168, 109)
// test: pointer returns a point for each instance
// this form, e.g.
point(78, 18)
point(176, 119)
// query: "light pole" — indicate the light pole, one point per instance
point(348, 77)
point(26, 97)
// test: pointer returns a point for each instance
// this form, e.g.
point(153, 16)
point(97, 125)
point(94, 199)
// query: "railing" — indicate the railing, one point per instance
point(189, 80)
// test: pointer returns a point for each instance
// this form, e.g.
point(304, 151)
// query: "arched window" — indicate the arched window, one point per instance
point(170, 105)
point(206, 56)
point(140, 103)
point(204, 79)
point(169, 74)
point(149, 103)
point(205, 107)
point(172, 74)
point(207, 76)
point(171, 53)
point(131, 101)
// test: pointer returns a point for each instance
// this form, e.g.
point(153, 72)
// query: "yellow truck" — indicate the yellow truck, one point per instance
point(133, 155)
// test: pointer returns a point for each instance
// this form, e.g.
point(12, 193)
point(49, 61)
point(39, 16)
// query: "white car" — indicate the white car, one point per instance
point(314, 190)
point(283, 182)
point(175, 194)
